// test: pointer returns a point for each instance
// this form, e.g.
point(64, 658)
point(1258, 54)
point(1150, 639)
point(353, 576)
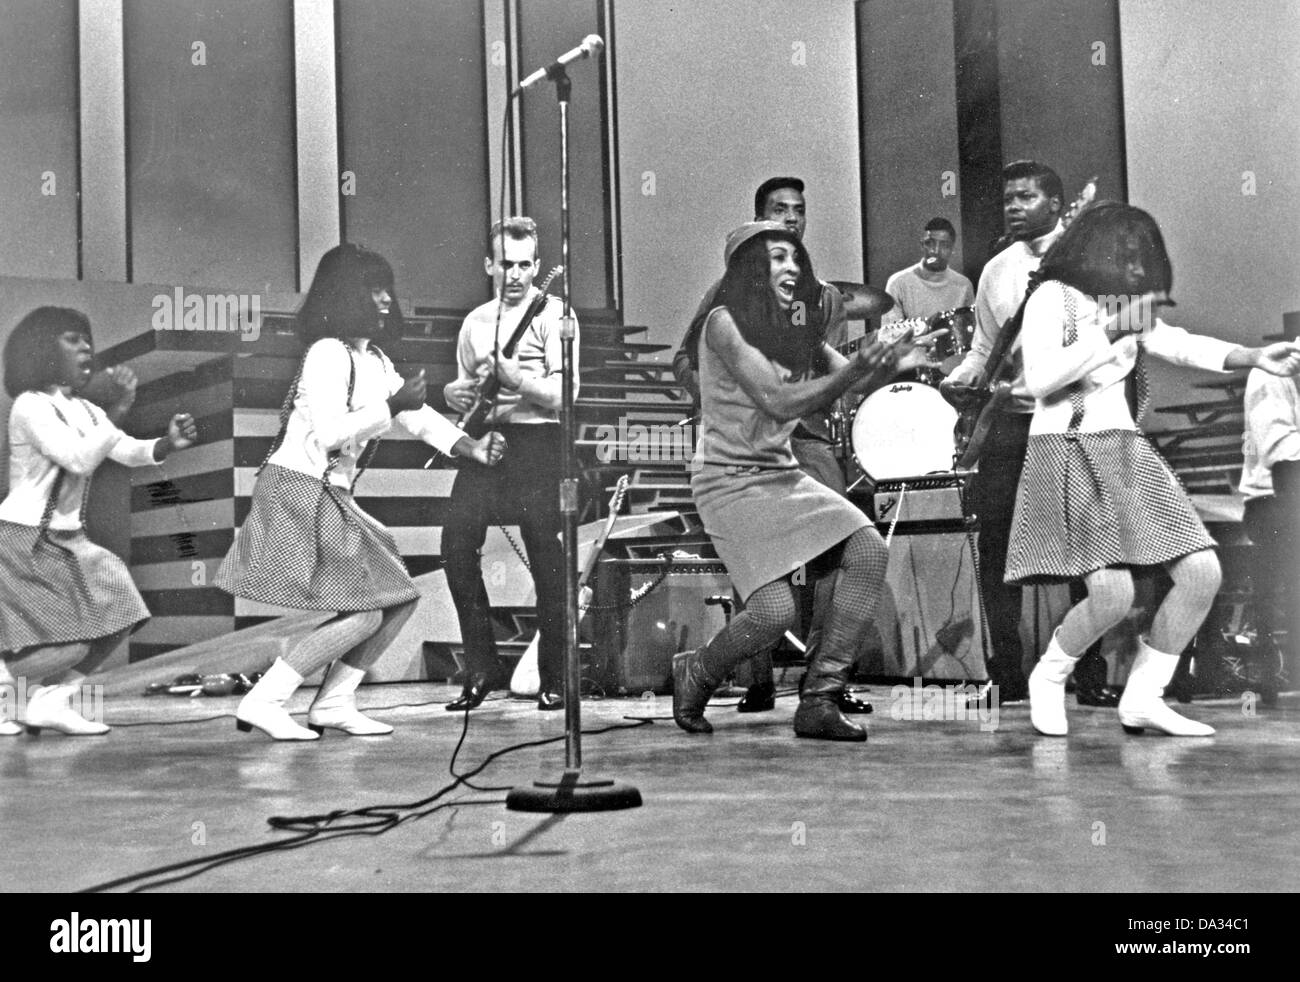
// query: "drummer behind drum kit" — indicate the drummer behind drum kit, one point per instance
point(904, 430)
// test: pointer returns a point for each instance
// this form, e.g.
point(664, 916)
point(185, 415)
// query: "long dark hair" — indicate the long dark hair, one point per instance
point(32, 358)
point(791, 338)
point(1090, 255)
point(339, 303)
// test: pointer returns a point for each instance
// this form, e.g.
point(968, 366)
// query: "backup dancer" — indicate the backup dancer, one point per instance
point(1096, 501)
point(67, 603)
point(766, 517)
point(305, 543)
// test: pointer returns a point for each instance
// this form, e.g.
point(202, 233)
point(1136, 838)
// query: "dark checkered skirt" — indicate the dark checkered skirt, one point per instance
point(1095, 500)
point(307, 545)
point(71, 590)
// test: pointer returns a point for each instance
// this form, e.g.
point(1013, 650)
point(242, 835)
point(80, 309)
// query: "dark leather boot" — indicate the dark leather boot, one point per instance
point(818, 716)
point(848, 704)
point(692, 687)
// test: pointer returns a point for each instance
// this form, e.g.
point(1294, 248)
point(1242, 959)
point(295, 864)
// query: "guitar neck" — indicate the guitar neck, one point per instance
point(534, 308)
point(615, 503)
point(888, 334)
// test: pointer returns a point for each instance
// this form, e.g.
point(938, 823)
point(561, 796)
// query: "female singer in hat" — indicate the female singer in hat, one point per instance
point(763, 365)
point(305, 543)
point(66, 602)
point(1096, 502)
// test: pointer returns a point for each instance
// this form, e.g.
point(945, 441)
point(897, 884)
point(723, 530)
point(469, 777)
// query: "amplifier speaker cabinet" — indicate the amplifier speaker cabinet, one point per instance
point(634, 644)
point(929, 621)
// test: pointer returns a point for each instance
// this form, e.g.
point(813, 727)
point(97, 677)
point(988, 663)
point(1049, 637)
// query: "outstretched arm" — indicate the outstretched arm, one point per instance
point(781, 399)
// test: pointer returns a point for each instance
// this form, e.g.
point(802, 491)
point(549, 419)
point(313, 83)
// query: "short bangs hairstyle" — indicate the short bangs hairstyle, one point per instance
point(1092, 254)
point(746, 291)
point(32, 359)
point(340, 302)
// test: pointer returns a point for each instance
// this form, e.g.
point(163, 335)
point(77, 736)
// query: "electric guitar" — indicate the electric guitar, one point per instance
point(488, 389)
point(526, 680)
point(890, 333)
point(976, 419)
point(485, 400)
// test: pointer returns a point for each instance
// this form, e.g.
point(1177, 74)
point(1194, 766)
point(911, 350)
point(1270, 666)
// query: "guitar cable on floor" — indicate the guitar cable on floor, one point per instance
point(370, 820)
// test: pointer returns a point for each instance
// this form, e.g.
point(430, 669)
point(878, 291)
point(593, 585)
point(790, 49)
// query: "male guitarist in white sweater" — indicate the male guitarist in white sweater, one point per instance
point(523, 489)
point(1032, 202)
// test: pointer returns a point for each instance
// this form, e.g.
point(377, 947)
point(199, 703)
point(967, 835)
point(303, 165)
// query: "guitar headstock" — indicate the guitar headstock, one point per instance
point(892, 333)
point(1085, 198)
point(546, 283)
point(620, 492)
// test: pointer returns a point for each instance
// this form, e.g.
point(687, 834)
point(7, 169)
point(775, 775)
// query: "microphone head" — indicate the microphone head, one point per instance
point(593, 45)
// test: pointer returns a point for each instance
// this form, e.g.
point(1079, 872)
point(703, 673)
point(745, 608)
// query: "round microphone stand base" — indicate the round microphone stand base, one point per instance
point(573, 791)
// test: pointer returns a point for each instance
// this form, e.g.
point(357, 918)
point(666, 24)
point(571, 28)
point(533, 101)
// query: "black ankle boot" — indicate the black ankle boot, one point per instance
point(692, 687)
point(819, 718)
point(818, 715)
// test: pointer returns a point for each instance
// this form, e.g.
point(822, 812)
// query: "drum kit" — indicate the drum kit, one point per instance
point(904, 429)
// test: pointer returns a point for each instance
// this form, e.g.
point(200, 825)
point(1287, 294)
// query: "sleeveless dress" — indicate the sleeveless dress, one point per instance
point(766, 517)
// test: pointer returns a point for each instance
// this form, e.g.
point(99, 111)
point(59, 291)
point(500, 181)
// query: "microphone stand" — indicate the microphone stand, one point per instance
point(571, 792)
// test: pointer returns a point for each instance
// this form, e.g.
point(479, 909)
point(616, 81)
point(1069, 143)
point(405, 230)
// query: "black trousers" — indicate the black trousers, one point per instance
point(1273, 524)
point(523, 490)
point(993, 500)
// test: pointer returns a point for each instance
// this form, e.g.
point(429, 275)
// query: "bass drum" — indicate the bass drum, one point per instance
point(904, 430)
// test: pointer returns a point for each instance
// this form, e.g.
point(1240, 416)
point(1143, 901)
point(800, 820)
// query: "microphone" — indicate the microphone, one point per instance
point(591, 46)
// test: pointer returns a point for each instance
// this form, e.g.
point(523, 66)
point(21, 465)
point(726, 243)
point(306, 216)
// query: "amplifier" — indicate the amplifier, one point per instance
point(931, 498)
point(647, 610)
point(928, 622)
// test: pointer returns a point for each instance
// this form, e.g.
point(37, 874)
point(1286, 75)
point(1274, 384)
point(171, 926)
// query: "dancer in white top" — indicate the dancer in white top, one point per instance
point(305, 543)
point(1096, 501)
point(67, 602)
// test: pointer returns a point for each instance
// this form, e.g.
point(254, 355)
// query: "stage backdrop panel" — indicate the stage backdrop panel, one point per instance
point(413, 137)
point(1209, 112)
point(210, 143)
point(38, 138)
point(911, 166)
point(714, 98)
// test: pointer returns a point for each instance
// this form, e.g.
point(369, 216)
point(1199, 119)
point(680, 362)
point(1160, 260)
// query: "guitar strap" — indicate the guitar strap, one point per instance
point(1010, 331)
point(536, 307)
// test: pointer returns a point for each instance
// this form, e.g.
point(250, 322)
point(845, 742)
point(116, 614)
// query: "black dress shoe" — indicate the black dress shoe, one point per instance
point(549, 701)
point(759, 698)
point(852, 706)
point(475, 691)
point(1096, 695)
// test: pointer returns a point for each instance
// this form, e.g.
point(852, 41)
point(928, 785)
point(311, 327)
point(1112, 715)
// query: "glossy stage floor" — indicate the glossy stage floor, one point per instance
point(925, 805)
